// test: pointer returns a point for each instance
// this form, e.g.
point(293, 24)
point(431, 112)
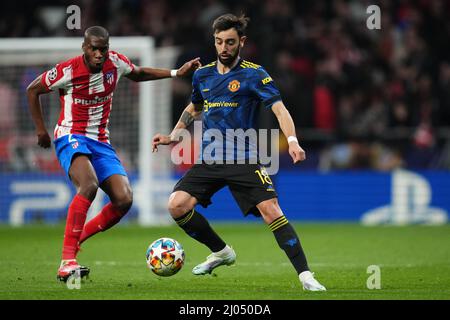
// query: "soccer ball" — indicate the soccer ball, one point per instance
point(165, 257)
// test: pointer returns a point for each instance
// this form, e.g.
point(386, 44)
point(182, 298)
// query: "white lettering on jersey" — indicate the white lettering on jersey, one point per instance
point(96, 100)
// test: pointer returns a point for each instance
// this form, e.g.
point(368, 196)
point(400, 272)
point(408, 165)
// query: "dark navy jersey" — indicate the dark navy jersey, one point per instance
point(232, 101)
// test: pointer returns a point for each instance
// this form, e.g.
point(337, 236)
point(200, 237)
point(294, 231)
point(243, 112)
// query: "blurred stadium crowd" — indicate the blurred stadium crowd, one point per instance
point(362, 99)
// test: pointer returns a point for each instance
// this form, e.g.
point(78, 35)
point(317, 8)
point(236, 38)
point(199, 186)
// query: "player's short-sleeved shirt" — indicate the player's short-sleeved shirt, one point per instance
point(232, 101)
point(85, 97)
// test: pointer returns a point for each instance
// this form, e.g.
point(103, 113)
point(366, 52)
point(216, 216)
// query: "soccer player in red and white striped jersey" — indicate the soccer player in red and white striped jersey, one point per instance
point(86, 84)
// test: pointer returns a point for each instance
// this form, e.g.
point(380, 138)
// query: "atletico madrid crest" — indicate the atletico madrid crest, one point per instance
point(109, 77)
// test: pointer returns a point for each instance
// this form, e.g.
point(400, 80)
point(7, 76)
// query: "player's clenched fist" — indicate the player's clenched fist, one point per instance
point(160, 139)
point(296, 152)
point(44, 139)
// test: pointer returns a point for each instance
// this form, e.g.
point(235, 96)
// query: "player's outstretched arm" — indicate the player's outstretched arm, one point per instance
point(34, 90)
point(146, 74)
point(287, 126)
point(190, 113)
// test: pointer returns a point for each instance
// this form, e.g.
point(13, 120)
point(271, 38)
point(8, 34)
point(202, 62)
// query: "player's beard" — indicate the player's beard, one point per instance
point(231, 58)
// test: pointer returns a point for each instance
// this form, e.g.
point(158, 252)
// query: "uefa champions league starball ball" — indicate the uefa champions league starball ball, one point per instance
point(165, 257)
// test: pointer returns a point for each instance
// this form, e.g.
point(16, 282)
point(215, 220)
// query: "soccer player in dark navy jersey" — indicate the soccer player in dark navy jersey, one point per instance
point(232, 100)
point(229, 93)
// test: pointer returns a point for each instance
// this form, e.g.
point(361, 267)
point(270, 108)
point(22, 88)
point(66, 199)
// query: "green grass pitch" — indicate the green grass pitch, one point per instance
point(414, 263)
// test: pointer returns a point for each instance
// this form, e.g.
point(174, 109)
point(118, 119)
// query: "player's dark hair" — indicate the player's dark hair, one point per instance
point(96, 31)
point(228, 21)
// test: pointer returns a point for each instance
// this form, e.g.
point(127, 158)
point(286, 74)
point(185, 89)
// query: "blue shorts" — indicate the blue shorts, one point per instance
point(103, 157)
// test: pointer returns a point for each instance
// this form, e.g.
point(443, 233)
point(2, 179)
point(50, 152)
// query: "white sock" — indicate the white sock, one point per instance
point(305, 275)
point(223, 251)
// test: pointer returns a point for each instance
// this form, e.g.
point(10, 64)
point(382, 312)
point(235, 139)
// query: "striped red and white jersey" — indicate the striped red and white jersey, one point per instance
point(85, 97)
